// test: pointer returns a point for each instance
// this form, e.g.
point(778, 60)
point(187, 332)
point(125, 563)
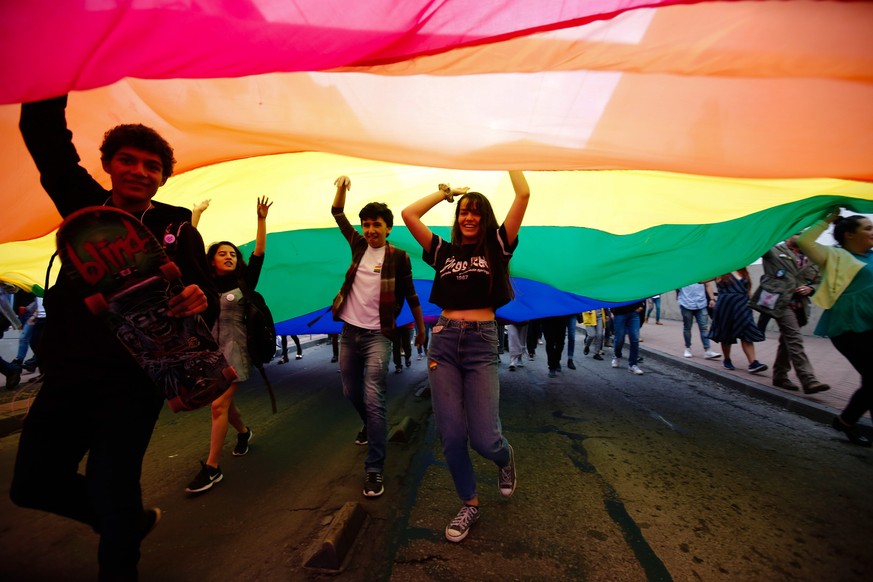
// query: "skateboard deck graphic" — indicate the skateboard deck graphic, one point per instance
point(125, 279)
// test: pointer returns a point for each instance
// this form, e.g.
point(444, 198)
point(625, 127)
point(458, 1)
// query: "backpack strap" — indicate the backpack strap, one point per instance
point(170, 240)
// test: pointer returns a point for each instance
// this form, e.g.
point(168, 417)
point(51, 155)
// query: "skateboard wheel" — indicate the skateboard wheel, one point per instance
point(170, 271)
point(96, 304)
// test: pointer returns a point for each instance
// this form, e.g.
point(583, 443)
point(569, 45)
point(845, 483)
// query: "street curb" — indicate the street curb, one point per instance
point(796, 404)
point(338, 540)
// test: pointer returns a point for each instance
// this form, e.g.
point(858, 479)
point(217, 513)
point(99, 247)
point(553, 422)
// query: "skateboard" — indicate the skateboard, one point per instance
point(126, 278)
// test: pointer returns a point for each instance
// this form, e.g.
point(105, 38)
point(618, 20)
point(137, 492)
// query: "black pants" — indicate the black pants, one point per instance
point(285, 346)
point(554, 332)
point(534, 330)
point(857, 349)
point(402, 341)
point(112, 420)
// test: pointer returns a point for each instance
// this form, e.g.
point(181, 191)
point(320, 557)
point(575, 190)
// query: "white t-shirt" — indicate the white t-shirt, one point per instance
point(362, 306)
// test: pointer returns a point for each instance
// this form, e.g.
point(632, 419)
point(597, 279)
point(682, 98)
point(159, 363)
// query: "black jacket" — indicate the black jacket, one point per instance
point(74, 341)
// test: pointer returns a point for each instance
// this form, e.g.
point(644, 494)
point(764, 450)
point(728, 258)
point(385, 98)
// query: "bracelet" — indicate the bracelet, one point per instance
point(447, 192)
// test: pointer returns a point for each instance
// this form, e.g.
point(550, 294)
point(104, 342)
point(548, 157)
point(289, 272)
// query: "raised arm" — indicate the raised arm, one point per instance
point(343, 183)
point(807, 239)
point(261, 237)
point(512, 223)
point(198, 210)
point(412, 214)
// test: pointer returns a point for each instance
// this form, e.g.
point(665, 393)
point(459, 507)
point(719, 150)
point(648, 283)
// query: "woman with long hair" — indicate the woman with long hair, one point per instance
point(471, 282)
point(846, 294)
point(233, 277)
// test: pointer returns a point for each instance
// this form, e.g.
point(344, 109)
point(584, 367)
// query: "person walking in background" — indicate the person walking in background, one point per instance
point(12, 370)
point(788, 282)
point(654, 303)
point(377, 283)
point(693, 302)
point(471, 282)
point(627, 323)
point(594, 322)
point(572, 320)
point(732, 319)
point(517, 332)
point(534, 331)
point(284, 342)
point(233, 278)
point(846, 293)
point(401, 346)
point(554, 332)
point(334, 347)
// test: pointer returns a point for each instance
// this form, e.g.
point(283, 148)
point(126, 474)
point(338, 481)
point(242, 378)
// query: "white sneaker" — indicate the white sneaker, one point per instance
point(615, 362)
point(636, 370)
point(711, 355)
point(687, 353)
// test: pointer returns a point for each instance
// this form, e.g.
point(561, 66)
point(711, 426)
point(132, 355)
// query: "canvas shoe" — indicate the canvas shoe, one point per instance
point(242, 442)
point(459, 527)
point(615, 362)
point(205, 479)
point(636, 370)
point(687, 353)
point(711, 355)
point(507, 478)
point(728, 365)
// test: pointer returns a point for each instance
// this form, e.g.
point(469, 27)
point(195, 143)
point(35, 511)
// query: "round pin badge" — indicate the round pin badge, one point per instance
point(229, 296)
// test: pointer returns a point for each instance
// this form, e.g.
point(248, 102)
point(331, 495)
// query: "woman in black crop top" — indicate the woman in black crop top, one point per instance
point(471, 282)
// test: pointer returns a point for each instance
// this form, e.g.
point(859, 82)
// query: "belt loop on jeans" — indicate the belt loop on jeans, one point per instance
point(462, 324)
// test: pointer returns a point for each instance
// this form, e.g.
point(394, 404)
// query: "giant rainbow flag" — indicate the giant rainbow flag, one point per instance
point(664, 142)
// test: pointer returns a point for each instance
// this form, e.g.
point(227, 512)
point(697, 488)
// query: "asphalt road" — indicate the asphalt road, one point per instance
point(664, 476)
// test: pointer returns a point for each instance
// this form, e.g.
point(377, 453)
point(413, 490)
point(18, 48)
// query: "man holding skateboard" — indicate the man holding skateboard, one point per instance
point(95, 399)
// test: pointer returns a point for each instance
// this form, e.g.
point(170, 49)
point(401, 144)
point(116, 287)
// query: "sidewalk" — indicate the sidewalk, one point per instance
point(665, 342)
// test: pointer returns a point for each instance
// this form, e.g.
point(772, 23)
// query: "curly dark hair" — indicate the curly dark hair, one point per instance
point(378, 210)
point(846, 224)
point(141, 137)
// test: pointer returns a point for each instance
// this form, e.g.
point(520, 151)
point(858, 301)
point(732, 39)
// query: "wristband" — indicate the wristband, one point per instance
point(447, 192)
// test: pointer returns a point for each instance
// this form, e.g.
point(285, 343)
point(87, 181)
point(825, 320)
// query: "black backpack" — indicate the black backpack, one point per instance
point(260, 329)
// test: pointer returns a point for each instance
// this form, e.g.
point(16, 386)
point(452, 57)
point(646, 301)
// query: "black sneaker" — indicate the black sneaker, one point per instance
point(242, 442)
point(361, 439)
point(205, 479)
point(458, 529)
point(150, 519)
point(507, 477)
point(373, 485)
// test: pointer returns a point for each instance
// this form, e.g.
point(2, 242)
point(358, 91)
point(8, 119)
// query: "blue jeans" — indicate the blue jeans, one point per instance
point(465, 393)
point(571, 336)
point(627, 323)
point(363, 365)
point(24, 340)
point(688, 317)
point(656, 306)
